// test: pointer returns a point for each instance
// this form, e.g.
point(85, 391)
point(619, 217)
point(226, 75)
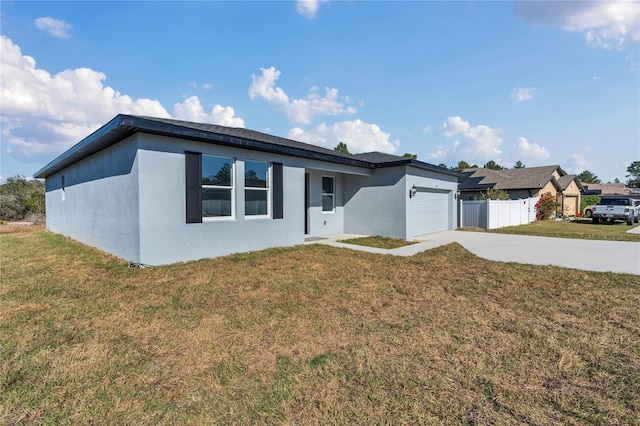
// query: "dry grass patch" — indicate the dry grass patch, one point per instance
point(11, 229)
point(379, 242)
point(564, 229)
point(312, 334)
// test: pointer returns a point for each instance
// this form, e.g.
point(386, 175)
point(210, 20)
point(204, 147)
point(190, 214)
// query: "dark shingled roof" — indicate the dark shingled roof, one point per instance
point(381, 157)
point(524, 178)
point(123, 126)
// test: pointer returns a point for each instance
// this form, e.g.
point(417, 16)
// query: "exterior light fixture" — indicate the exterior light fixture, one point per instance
point(412, 191)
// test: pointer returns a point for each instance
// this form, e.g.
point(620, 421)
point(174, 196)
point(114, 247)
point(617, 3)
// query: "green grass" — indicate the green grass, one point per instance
point(584, 230)
point(379, 242)
point(311, 335)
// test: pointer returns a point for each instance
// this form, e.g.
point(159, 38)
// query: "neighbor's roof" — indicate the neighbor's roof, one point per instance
point(607, 188)
point(524, 178)
point(566, 180)
point(123, 126)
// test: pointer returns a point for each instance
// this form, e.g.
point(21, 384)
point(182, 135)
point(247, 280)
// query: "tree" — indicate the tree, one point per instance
point(462, 165)
point(519, 165)
point(616, 180)
point(342, 147)
point(410, 155)
point(493, 166)
point(588, 177)
point(20, 197)
point(634, 175)
point(444, 166)
point(494, 194)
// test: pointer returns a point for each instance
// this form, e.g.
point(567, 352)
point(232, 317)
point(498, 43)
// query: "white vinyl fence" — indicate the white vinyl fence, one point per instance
point(492, 214)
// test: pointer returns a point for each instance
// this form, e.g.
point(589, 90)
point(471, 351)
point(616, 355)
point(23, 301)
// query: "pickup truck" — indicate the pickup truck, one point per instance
point(611, 209)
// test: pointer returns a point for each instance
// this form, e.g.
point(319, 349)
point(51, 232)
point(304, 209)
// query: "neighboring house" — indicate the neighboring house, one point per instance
point(523, 183)
point(157, 191)
point(608, 189)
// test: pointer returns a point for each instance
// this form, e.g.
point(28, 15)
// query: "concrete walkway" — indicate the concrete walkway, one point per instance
point(587, 255)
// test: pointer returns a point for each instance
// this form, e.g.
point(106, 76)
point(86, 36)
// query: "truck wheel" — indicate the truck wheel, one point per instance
point(630, 220)
point(595, 220)
point(588, 213)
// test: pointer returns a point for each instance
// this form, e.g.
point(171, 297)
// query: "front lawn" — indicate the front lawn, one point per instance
point(379, 242)
point(584, 230)
point(311, 335)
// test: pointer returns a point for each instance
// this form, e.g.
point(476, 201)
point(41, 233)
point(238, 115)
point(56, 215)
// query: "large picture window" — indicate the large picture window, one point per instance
point(256, 192)
point(217, 186)
point(210, 188)
point(328, 194)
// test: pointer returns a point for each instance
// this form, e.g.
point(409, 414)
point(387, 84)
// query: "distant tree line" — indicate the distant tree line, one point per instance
point(21, 198)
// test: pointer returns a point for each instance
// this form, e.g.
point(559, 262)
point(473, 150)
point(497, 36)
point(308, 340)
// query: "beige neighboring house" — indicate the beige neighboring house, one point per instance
point(523, 183)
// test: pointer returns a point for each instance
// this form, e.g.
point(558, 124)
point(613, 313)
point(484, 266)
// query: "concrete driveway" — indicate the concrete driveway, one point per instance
point(587, 255)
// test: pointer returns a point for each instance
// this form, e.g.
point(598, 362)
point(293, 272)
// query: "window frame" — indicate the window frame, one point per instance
point(268, 191)
point(231, 188)
point(332, 194)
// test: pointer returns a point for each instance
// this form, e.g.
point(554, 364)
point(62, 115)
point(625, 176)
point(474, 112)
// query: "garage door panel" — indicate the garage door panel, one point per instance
point(431, 211)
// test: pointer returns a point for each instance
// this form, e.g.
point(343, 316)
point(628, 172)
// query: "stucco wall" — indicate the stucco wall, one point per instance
point(99, 203)
point(165, 237)
point(320, 222)
point(375, 205)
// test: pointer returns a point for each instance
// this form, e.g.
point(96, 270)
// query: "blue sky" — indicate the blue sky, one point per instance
point(541, 82)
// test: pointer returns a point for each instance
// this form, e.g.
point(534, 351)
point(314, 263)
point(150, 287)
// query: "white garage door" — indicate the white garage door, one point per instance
point(431, 211)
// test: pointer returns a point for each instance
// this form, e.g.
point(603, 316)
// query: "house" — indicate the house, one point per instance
point(608, 189)
point(523, 183)
point(157, 191)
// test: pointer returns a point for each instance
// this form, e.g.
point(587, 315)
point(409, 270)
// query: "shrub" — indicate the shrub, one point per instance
point(11, 208)
point(21, 197)
point(546, 207)
point(588, 200)
point(494, 194)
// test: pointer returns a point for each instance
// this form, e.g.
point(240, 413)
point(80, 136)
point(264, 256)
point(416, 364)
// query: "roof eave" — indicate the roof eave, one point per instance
point(85, 147)
point(123, 126)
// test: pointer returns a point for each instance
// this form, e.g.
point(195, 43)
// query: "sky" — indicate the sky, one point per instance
point(539, 82)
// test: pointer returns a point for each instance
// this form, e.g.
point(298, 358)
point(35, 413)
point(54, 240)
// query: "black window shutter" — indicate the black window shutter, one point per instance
point(278, 199)
point(193, 167)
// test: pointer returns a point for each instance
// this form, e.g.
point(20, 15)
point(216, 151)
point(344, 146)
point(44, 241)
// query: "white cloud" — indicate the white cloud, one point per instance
point(359, 136)
point(426, 129)
point(42, 114)
point(522, 94)
point(264, 86)
point(474, 144)
point(298, 110)
point(308, 8)
point(576, 164)
point(481, 141)
point(191, 110)
point(607, 24)
point(54, 27)
point(528, 150)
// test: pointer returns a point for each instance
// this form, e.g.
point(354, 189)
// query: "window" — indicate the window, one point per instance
point(256, 188)
point(210, 188)
point(217, 186)
point(328, 194)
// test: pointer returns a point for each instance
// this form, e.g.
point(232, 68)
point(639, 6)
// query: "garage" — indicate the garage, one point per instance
point(430, 210)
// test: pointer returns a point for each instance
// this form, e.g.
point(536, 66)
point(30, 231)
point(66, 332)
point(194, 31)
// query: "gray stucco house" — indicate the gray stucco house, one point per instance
point(157, 191)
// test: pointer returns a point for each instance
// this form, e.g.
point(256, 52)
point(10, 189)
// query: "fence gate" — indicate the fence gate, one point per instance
point(492, 214)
